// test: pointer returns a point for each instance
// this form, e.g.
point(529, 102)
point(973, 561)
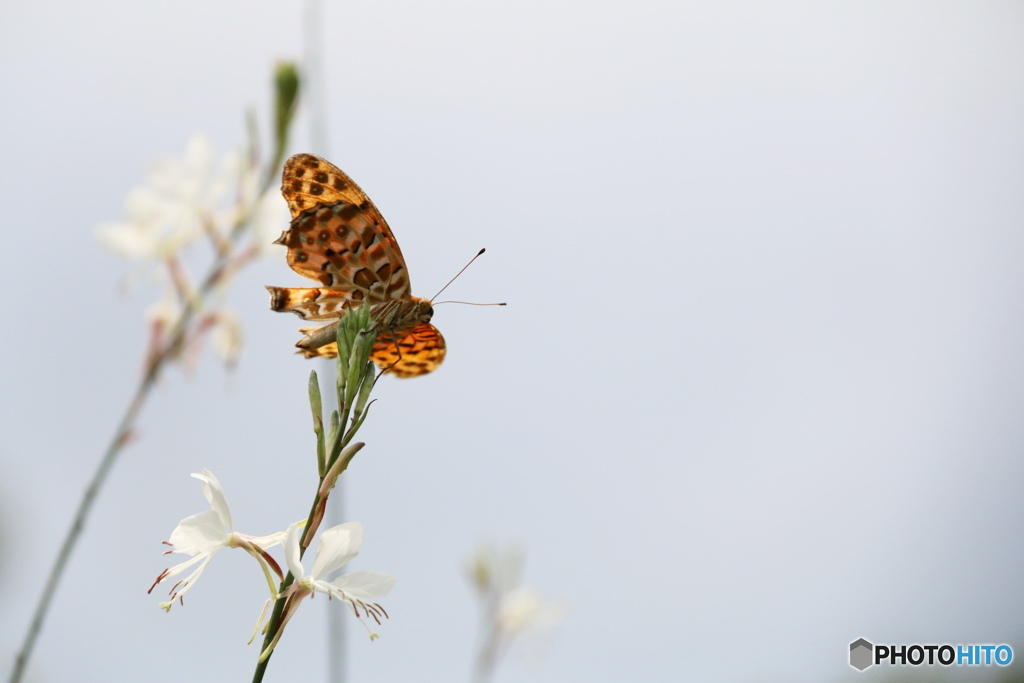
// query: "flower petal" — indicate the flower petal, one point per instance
point(268, 215)
point(265, 542)
point(338, 545)
point(203, 557)
point(228, 338)
point(525, 609)
point(365, 584)
point(181, 588)
point(291, 551)
point(128, 240)
point(198, 533)
point(214, 493)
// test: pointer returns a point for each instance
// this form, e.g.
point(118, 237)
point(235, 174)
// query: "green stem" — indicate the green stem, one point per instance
point(275, 616)
point(315, 518)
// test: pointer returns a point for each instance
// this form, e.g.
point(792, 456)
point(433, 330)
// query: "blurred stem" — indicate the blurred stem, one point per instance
point(223, 266)
point(490, 641)
point(122, 435)
point(487, 657)
point(286, 97)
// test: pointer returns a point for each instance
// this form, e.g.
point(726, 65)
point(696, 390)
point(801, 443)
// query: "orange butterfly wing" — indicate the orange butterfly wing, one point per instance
point(337, 236)
point(422, 349)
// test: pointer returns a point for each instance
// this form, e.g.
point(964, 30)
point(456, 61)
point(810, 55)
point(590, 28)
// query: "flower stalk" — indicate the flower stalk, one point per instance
point(508, 610)
point(335, 450)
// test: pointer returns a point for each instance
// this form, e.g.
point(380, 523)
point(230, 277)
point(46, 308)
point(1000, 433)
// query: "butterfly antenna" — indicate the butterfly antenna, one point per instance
point(458, 274)
point(468, 303)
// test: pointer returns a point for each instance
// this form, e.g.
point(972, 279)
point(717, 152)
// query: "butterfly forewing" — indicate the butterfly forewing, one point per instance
point(344, 248)
point(308, 181)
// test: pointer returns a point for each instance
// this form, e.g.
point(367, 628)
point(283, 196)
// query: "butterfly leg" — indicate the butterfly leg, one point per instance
point(398, 350)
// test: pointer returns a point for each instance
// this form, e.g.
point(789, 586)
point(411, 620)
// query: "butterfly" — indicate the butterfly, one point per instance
point(339, 238)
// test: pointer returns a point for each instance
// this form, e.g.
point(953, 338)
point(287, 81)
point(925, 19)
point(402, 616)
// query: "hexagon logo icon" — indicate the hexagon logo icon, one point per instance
point(860, 654)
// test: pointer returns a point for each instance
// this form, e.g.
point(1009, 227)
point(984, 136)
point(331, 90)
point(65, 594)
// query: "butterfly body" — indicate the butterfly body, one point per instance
point(339, 239)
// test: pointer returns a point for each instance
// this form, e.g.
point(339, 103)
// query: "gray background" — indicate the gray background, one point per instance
point(757, 391)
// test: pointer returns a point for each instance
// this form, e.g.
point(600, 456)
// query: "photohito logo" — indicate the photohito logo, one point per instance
point(864, 654)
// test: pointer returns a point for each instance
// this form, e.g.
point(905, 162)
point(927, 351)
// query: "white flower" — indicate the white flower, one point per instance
point(176, 207)
point(509, 610)
point(337, 546)
point(196, 197)
point(228, 337)
point(525, 609)
point(164, 313)
point(495, 572)
point(266, 214)
point(204, 534)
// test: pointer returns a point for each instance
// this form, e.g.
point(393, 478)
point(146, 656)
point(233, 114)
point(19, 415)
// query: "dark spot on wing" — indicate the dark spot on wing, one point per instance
point(363, 278)
point(369, 237)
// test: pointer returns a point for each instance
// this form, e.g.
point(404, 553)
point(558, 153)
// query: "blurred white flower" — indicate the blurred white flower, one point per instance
point(176, 207)
point(508, 610)
point(228, 337)
point(164, 313)
point(266, 214)
point(204, 534)
point(270, 215)
point(187, 199)
point(338, 545)
point(494, 572)
point(161, 317)
point(525, 609)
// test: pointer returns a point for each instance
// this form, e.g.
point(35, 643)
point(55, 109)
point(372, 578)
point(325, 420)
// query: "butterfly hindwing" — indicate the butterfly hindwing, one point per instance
point(422, 350)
